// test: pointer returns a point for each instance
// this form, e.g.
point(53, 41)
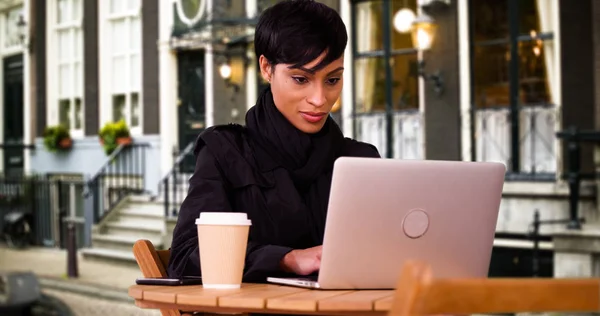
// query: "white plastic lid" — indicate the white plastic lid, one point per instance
point(223, 218)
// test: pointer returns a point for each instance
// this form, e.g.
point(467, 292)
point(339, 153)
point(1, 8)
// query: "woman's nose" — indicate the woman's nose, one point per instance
point(317, 97)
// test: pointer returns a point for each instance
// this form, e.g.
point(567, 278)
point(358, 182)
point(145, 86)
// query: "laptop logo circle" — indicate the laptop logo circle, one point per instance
point(415, 223)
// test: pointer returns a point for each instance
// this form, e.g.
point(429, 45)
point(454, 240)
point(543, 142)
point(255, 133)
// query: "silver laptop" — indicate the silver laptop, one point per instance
point(384, 211)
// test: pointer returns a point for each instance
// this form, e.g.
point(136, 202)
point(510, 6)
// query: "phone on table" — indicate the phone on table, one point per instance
point(185, 280)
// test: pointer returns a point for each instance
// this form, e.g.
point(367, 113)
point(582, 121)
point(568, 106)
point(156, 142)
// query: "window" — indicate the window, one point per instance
point(69, 60)
point(370, 65)
point(513, 54)
point(124, 59)
point(382, 88)
point(12, 39)
point(65, 52)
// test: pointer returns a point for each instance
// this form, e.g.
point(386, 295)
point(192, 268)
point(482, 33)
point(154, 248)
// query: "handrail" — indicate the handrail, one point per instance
point(173, 174)
point(109, 159)
point(178, 160)
point(122, 174)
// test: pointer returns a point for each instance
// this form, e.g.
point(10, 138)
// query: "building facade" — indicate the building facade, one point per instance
point(500, 80)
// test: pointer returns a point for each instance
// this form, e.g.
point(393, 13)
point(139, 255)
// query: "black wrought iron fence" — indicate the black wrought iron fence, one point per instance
point(573, 139)
point(46, 202)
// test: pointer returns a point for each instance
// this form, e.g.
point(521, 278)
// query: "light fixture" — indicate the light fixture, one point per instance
point(22, 30)
point(232, 67)
point(225, 71)
point(423, 32)
point(403, 20)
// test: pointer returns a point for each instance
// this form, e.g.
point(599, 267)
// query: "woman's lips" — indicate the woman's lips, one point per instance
point(313, 117)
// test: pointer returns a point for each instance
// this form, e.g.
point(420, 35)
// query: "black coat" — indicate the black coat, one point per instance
point(233, 175)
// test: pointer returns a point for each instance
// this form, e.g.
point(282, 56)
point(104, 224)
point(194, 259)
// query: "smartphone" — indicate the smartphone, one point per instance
point(186, 280)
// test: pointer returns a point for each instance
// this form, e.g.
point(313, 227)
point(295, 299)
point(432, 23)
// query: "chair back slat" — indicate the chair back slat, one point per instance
point(419, 293)
point(149, 260)
point(153, 264)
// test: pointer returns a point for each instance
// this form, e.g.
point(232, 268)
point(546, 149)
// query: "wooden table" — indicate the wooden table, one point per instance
point(262, 298)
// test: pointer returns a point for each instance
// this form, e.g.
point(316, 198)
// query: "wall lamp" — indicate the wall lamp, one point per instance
point(232, 69)
point(22, 31)
point(423, 33)
point(423, 29)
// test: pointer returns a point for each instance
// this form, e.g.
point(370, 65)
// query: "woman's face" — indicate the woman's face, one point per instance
point(305, 97)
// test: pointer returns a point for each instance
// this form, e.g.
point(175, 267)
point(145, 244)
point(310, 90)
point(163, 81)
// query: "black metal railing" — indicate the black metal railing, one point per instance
point(20, 193)
point(574, 138)
point(534, 234)
point(47, 203)
point(173, 186)
point(122, 174)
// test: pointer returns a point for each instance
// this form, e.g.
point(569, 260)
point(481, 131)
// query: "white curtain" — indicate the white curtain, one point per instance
point(547, 24)
point(493, 135)
point(370, 128)
point(538, 141)
point(367, 25)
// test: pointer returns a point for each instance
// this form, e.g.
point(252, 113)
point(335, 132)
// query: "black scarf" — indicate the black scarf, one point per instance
point(308, 158)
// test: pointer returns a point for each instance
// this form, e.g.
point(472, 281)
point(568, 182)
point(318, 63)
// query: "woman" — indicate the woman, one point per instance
point(277, 168)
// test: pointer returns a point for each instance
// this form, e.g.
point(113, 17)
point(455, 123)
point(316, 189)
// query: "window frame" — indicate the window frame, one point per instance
point(108, 94)
point(515, 107)
point(388, 53)
point(74, 28)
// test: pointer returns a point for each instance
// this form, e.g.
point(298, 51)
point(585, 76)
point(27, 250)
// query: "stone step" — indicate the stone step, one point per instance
point(181, 193)
point(143, 199)
point(157, 201)
point(109, 255)
point(141, 213)
point(139, 230)
point(119, 242)
point(139, 221)
point(143, 210)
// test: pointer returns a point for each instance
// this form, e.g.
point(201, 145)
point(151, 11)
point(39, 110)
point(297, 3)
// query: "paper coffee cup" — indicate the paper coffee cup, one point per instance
point(222, 240)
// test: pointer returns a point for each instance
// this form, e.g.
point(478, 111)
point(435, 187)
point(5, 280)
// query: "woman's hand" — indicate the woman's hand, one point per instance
point(302, 261)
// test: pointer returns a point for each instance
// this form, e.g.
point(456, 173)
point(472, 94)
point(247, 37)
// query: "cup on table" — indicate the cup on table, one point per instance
point(222, 240)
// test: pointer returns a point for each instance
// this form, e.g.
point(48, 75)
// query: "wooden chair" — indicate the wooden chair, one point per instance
point(418, 293)
point(153, 264)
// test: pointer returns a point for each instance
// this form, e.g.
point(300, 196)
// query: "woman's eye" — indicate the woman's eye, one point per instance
point(333, 81)
point(300, 80)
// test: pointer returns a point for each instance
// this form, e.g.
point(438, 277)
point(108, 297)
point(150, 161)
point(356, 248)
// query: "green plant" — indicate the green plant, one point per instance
point(113, 134)
point(57, 138)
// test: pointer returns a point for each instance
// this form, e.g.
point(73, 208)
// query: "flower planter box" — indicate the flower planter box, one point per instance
point(124, 141)
point(65, 143)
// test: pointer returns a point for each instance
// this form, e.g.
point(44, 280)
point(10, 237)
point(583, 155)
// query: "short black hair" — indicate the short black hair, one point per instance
point(298, 31)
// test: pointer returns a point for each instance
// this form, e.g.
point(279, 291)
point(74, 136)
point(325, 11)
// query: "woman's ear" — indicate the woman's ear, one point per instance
point(265, 68)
